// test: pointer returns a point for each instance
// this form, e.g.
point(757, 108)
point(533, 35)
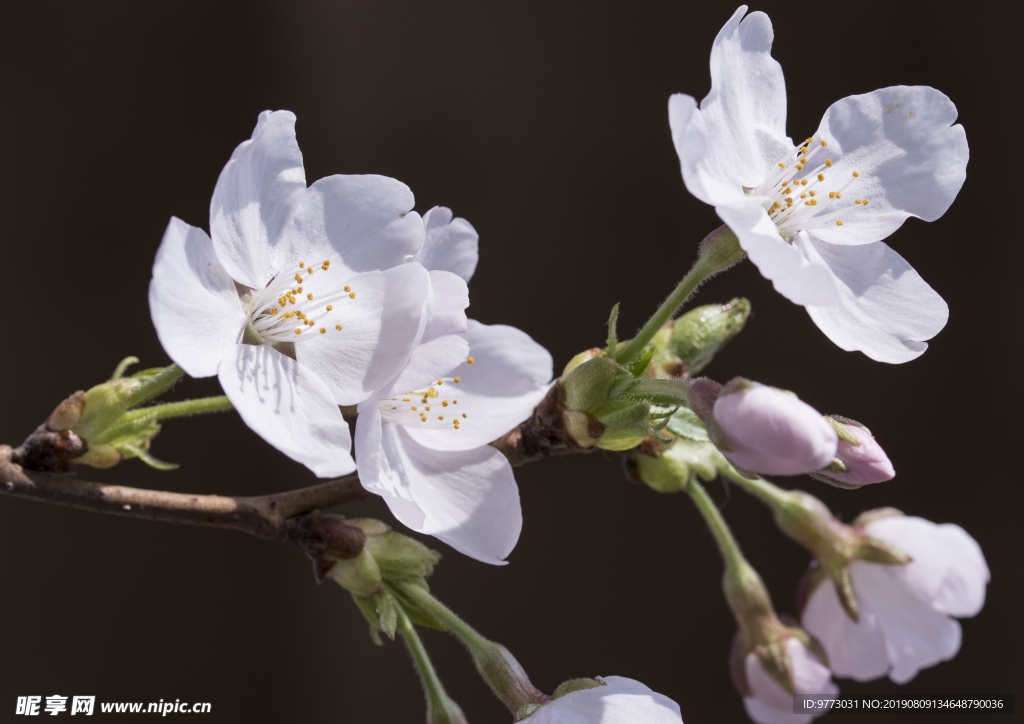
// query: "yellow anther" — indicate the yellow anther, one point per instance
point(811, 202)
point(838, 195)
point(855, 174)
point(440, 382)
point(782, 165)
point(828, 162)
point(444, 403)
point(348, 289)
point(298, 330)
point(856, 201)
point(470, 360)
point(288, 315)
point(463, 414)
point(414, 409)
point(423, 418)
point(803, 182)
point(838, 222)
point(310, 271)
point(823, 144)
point(821, 177)
point(324, 266)
point(455, 402)
point(327, 262)
point(810, 140)
point(302, 264)
point(427, 408)
point(406, 399)
point(310, 296)
point(831, 194)
point(337, 327)
point(430, 393)
point(458, 379)
point(282, 300)
point(803, 149)
point(300, 315)
point(298, 279)
point(351, 295)
point(330, 307)
point(865, 202)
point(310, 323)
point(298, 291)
point(811, 193)
point(803, 196)
point(323, 330)
point(440, 417)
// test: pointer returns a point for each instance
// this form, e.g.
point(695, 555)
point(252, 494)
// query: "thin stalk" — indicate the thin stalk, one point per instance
point(771, 494)
point(440, 707)
point(179, 409)
point(730, 549)
point(682, 292)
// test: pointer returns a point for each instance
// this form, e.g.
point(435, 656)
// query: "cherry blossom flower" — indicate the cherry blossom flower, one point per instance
point(812, 215)
point(299, 300)
point(422, 440)
point(617, 701)
point(769, 431)
point(905, 611)
point(768, 703)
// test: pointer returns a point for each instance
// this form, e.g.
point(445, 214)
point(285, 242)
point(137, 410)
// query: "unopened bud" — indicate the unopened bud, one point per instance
point(768, 431)
point(698, 335)
point(859, 460)
point(720, 249)
point(670, 468)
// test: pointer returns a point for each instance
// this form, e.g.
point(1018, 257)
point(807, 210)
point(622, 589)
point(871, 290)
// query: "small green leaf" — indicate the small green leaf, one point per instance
point(129, 450)
point(613, 339)
point(685, 423)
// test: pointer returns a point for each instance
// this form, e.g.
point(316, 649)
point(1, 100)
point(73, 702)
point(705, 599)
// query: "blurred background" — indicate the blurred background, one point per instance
point(545, 125)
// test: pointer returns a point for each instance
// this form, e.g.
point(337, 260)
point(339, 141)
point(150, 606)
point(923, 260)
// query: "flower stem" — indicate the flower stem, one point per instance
point(718, 251)
point(180, 409)
point(440, 707)
point(495, 664)
point(771, 494)
point(727, 545)
point(156, 385)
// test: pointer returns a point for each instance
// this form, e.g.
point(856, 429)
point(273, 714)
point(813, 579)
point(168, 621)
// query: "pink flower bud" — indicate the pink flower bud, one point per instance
point(864, 460)
point(768, 431)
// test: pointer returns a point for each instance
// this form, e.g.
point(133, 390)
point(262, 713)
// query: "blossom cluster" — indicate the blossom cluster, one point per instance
point(322, 306)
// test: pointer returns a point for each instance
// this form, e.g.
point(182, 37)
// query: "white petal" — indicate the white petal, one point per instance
point(910, 159)
point(769, 703)
point(448, 302)
point(381, 327)
point(948, 568)
point(193, 301)
point(856, 650)
point(450, 244)
point(509, 376)
point(741, 124)
point(289, 408)
point(917, 636)
point(619, 701)
point(886, 310)
point(469, 498)
point(791, 273)
point(375, 472)
point(429, 362)
point(254, 199)
point(359, 223)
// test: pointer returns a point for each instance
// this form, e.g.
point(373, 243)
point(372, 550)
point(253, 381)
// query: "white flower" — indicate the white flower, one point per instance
point(811, 216)
point(769, 703)
point(288, 303)
point(619, 701)
point(905, 611)
point(769, 431)
point(422, 439)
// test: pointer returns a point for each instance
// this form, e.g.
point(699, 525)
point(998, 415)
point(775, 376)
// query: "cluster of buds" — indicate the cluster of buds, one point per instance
point(99, 427)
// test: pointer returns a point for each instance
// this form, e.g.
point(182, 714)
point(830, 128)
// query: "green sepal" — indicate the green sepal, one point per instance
point(129, 451)
point(379, 610)
point(685, 423)
point(573, 685)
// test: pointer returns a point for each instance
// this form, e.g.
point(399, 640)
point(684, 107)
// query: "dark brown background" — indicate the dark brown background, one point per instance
point(545, 125)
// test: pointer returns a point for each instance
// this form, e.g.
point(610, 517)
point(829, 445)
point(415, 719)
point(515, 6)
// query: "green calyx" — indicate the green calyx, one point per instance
point(386, 559)
point(103, 416)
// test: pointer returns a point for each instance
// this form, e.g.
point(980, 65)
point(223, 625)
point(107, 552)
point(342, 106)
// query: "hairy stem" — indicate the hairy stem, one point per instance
point(200, 406)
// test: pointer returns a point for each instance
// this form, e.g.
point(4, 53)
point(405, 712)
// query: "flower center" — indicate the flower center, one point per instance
point(284, 313)
point(429, 408)
point(799, 201)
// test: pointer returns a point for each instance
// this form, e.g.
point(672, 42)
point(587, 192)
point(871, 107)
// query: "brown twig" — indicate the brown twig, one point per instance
point(280, 516)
